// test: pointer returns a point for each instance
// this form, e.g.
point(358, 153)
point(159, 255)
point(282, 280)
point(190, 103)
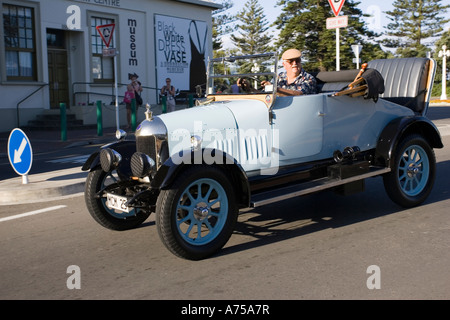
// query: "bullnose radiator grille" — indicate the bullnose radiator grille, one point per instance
point(147, 145)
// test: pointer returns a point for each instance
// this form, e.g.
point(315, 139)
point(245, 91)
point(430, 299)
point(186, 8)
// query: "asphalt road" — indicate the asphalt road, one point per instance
point(321, 246)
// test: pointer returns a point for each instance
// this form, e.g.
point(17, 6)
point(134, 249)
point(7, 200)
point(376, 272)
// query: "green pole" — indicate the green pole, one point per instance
point(133, 114)
point(164, 104)
point(99, 119)
point(62, 109)
point(191, 100)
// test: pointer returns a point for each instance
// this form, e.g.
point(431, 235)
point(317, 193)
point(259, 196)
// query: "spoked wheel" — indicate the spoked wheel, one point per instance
point(98, 208)
point(197, 215)
point(413, 173)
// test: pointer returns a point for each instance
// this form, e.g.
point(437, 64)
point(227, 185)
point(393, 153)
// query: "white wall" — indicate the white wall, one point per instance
point(53, 14)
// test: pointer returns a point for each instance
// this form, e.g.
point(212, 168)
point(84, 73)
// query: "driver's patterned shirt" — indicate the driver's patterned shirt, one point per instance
point(305, 82)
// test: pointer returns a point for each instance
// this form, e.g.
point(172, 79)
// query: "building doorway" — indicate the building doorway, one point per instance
point(58, 73)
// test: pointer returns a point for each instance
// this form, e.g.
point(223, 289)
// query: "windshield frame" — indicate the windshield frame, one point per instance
point(272, 57)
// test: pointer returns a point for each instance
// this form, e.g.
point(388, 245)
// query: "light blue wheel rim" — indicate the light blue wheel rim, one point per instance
point(201, 212)
point(413, 170)
point(112, 177)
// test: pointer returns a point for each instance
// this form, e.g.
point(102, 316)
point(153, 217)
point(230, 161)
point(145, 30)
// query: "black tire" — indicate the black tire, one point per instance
point(192, 224)
point(413, 172)
point(98, 209)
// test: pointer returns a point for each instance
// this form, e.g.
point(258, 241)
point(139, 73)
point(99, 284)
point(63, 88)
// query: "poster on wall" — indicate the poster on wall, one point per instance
point(181, 51)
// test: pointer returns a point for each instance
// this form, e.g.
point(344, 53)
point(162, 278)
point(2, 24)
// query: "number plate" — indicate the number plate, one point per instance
point(117, 202)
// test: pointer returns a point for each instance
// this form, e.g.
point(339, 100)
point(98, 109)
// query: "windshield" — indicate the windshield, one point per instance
point(224, 74)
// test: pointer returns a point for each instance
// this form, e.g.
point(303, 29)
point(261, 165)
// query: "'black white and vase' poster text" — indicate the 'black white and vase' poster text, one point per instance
point(181, 51)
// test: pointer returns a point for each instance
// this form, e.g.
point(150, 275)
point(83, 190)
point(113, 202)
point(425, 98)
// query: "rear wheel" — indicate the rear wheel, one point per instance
point(197, 215)
point(413, 172)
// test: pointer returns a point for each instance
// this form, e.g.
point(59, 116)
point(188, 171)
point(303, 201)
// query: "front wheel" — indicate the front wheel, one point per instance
point(99, 209)
point(413, 172)
point(197, 215)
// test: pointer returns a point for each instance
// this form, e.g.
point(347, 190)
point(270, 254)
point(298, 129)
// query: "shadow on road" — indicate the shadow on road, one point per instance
point(304, 215)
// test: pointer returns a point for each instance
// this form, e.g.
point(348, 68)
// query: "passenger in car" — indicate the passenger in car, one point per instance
point(295, 80)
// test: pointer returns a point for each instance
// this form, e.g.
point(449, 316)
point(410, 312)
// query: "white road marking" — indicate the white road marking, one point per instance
point(77, 159)
point(26, 214)
point(444, 129)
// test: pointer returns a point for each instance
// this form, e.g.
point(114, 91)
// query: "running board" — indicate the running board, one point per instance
point(305, 188)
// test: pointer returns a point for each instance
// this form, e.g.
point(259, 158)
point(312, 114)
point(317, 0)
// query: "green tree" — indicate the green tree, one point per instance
point(413, 22)
point(222, 24)
point(302, 25)
point(252, 27)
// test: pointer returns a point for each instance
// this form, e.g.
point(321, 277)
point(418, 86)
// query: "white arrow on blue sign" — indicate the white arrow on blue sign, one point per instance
point(20, 153)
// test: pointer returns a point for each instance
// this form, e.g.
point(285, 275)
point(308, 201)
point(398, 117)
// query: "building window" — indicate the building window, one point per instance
point(102, 67)
point(20, 52)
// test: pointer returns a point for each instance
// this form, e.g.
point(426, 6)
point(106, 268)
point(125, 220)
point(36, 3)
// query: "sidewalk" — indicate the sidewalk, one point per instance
point(53, 184)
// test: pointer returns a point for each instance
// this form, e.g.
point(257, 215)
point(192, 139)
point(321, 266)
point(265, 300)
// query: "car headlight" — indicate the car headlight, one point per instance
point(142, 165)
point(109, 159)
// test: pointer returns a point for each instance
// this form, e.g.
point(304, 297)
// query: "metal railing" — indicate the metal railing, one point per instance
point(89, 93)
point(24, 99)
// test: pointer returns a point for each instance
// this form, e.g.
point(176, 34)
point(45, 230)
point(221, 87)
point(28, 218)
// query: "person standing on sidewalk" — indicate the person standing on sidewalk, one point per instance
point(169, 91)
point(136, 87)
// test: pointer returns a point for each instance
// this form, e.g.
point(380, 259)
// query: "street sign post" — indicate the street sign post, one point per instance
point(337, 22)
point(106, 33)
point(20, 153)
point(109, 52)
point(336, 6)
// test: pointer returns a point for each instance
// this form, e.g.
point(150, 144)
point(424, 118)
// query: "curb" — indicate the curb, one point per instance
point(43, 187)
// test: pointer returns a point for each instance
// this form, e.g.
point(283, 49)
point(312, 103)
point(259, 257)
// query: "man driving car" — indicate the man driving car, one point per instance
point(295, 80)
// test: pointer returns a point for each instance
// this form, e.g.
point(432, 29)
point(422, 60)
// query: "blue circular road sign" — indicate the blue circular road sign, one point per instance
point(20, 153)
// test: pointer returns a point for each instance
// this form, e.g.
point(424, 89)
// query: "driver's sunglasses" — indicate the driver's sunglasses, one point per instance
point(291, 61)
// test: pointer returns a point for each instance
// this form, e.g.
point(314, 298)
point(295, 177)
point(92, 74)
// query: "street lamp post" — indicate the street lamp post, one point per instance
point(255, 69)
point(444, 53)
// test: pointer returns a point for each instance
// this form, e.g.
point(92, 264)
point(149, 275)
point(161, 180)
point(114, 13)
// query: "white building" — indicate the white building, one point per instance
point(51, 53)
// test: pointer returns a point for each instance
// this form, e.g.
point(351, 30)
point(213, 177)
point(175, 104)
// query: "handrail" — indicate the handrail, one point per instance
point(74, 93)
point(28, 96)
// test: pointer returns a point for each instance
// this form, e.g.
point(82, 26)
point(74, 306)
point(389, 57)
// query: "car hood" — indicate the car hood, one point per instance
point(216, 124)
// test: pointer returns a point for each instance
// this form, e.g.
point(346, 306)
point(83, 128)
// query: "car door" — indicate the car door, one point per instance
point(298, 122)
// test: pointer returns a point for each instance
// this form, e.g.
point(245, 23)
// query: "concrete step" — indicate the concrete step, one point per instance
point(55, 117)
point(51, 120)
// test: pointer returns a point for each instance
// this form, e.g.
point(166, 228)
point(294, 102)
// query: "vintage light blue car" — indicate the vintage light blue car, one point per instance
point(248, 146)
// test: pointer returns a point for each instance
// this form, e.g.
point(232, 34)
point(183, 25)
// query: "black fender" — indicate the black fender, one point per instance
point(398, 128)
point(173, 166)
point(126, 148)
